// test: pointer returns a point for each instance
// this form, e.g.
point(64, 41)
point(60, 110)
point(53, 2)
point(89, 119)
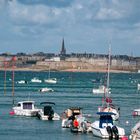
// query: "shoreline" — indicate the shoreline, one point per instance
point(66, 70)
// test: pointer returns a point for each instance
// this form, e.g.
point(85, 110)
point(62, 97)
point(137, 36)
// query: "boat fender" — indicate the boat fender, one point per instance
point(109, 130)
point(115, 131)
point(124, 138)
point(75, 123)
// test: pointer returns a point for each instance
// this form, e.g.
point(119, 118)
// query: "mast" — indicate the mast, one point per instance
point(108, 69)
point(13, 76)
point(5, 75)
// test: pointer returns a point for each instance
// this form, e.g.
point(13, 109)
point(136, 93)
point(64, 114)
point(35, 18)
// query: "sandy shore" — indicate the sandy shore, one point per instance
point(66, 70)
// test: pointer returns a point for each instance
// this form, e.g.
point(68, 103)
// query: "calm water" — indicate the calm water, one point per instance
point(72, 89)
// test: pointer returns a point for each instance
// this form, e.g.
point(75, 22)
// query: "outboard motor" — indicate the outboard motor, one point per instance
point(49, 112)
point(115, 131)
point(109, 130)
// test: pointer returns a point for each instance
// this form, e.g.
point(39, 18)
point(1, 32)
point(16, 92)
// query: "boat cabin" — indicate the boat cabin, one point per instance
point(26, 105)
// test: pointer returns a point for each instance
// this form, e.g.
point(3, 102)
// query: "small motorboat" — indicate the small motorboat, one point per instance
point(80, 124)
point(36, 80)
point(25, 108)
point(69, 114)
point(22, 82)
point(136, 112)
point(51, 80)
point(101, 90)
point(72, 118)
point(135, 132)
point(46, 90)
point(47, 113)
point(104, 127)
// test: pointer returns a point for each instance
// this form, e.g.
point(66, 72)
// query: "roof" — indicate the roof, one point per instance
point(26, 102)
point(105, 113)
point(75, 108)
point(47, 103)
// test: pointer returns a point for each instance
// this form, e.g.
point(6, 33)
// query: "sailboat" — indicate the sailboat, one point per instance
point(23, 108)
point(50, 80)
point(107, 105)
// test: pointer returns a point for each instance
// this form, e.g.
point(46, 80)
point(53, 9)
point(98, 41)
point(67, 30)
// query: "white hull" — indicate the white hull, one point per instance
point(101, 90)
point(35, 80)
point(51, 81)
point(102, 132)
point(25, 112)
point(46, 90)
point(46, 117)
point(22, 82)
point(25, 108)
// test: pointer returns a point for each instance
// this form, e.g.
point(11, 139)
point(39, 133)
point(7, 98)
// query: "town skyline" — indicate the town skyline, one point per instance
point(87, 26)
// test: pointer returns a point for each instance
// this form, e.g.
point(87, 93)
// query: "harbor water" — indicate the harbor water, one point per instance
point(72, 89)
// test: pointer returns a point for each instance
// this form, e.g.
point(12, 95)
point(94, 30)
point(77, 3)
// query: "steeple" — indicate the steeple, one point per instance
point(63, 50)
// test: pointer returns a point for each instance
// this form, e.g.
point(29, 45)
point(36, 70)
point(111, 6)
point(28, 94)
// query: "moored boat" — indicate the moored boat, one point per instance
point(101, 90)
point(46, 90)
point(25, 108)
point(36, 80)
point(104, 127)
point(136, 112)
point(51, 80)
point(72, 118)
point(22, 82)
point(47, 113)
point(135, 132)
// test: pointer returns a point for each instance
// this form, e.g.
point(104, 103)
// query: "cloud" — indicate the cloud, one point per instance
point(107, 14)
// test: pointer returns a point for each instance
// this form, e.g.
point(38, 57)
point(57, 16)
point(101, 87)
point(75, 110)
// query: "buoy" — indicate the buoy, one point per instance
point(75, 123)
point(134, 113)
point(12, 113)
point(127, 122)
point(124, 138)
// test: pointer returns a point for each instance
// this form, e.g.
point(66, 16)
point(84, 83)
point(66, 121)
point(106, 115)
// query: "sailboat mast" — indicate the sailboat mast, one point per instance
point(5, 73)
point(13, 77)
point(108, 70)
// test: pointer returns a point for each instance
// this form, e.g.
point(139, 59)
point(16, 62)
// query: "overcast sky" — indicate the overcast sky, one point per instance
point(86, 25)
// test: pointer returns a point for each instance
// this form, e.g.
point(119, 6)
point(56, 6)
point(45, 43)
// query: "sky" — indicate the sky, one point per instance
point(32, 26)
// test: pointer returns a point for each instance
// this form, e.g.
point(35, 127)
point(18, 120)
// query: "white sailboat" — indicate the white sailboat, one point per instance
point(107, 105)
point(50, 80)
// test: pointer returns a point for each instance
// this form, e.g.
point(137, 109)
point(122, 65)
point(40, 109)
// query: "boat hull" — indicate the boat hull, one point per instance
point(41, 116)
point(25, 112)
point(103, 133)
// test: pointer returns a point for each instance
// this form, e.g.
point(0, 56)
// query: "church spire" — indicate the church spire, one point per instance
point(63, 50)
